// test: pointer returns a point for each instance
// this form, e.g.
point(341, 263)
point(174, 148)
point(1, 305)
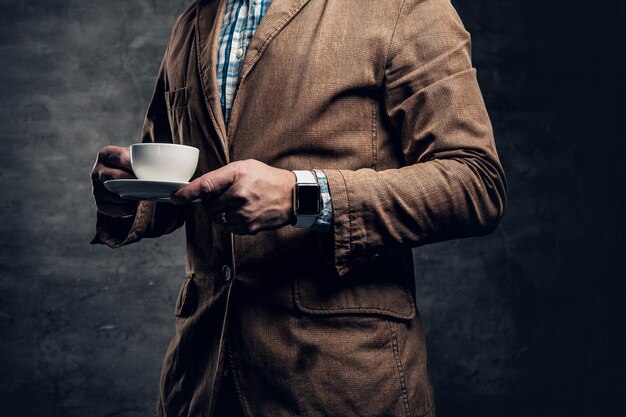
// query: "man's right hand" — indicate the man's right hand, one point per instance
point(113, 163)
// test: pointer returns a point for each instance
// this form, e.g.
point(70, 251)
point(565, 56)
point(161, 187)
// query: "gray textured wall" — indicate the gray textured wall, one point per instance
point(523, 322)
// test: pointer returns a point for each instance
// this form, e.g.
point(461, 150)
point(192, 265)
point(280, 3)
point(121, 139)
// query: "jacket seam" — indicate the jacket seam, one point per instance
point(222, 350)
point(383, 81)
point(398, 360)
point(235, 378)
point(216, 390)
point(374, 136)
point(393, 34)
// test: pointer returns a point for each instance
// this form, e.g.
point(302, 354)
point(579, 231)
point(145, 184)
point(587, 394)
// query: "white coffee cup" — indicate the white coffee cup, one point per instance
point(163, 161)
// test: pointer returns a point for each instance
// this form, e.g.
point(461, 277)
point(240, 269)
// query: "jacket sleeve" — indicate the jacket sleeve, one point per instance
point(452, 184)
point(151, 219)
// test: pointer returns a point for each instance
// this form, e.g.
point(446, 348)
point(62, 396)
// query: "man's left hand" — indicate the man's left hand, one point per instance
point(245, 196)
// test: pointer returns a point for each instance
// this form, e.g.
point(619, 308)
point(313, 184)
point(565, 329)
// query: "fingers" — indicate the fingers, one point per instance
point(115, 157)
point(102, 174)
point(100, 192)
point(209, 185)
point(113, 162)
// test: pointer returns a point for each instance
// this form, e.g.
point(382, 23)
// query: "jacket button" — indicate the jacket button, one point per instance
point(226, 273)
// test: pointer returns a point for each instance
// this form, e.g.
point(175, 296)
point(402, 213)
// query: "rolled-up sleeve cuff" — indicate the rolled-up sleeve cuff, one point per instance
point(339, 241)
point(324, 221)
point(116, 232)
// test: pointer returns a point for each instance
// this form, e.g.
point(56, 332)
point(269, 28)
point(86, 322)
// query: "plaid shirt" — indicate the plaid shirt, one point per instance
point(241, 19)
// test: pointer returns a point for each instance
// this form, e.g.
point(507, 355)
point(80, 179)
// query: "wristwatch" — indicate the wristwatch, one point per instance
point(307, 202)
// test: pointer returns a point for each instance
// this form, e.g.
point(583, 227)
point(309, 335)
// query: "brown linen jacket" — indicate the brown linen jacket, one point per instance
point(380, 95)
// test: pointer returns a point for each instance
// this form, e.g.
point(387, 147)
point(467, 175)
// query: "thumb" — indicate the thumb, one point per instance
point(211, 183)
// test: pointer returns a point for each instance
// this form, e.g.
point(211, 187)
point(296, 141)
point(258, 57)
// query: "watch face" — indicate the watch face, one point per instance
point(308, 199)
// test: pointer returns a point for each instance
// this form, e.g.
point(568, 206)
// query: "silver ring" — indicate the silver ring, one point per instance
point(223, 217)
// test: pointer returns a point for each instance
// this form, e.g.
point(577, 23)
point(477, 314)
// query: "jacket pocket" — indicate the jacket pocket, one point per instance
point(187, 299)
point(347, 345)
point(331, 297)
point(176, 98)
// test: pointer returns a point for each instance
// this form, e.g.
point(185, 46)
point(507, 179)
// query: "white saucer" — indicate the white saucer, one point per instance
point(134, 189)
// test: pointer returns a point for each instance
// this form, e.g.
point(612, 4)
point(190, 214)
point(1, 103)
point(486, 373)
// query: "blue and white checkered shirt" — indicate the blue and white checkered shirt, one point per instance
point(241, 19)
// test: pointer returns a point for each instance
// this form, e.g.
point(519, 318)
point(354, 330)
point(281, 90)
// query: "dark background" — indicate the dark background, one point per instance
point(525, 322)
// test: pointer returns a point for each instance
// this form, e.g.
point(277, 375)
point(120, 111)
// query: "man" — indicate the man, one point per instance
point(381, 100)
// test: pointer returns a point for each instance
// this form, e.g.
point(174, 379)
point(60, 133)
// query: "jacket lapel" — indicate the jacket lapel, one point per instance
point(209, 18)
point(208, 23)
point(276, 18)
